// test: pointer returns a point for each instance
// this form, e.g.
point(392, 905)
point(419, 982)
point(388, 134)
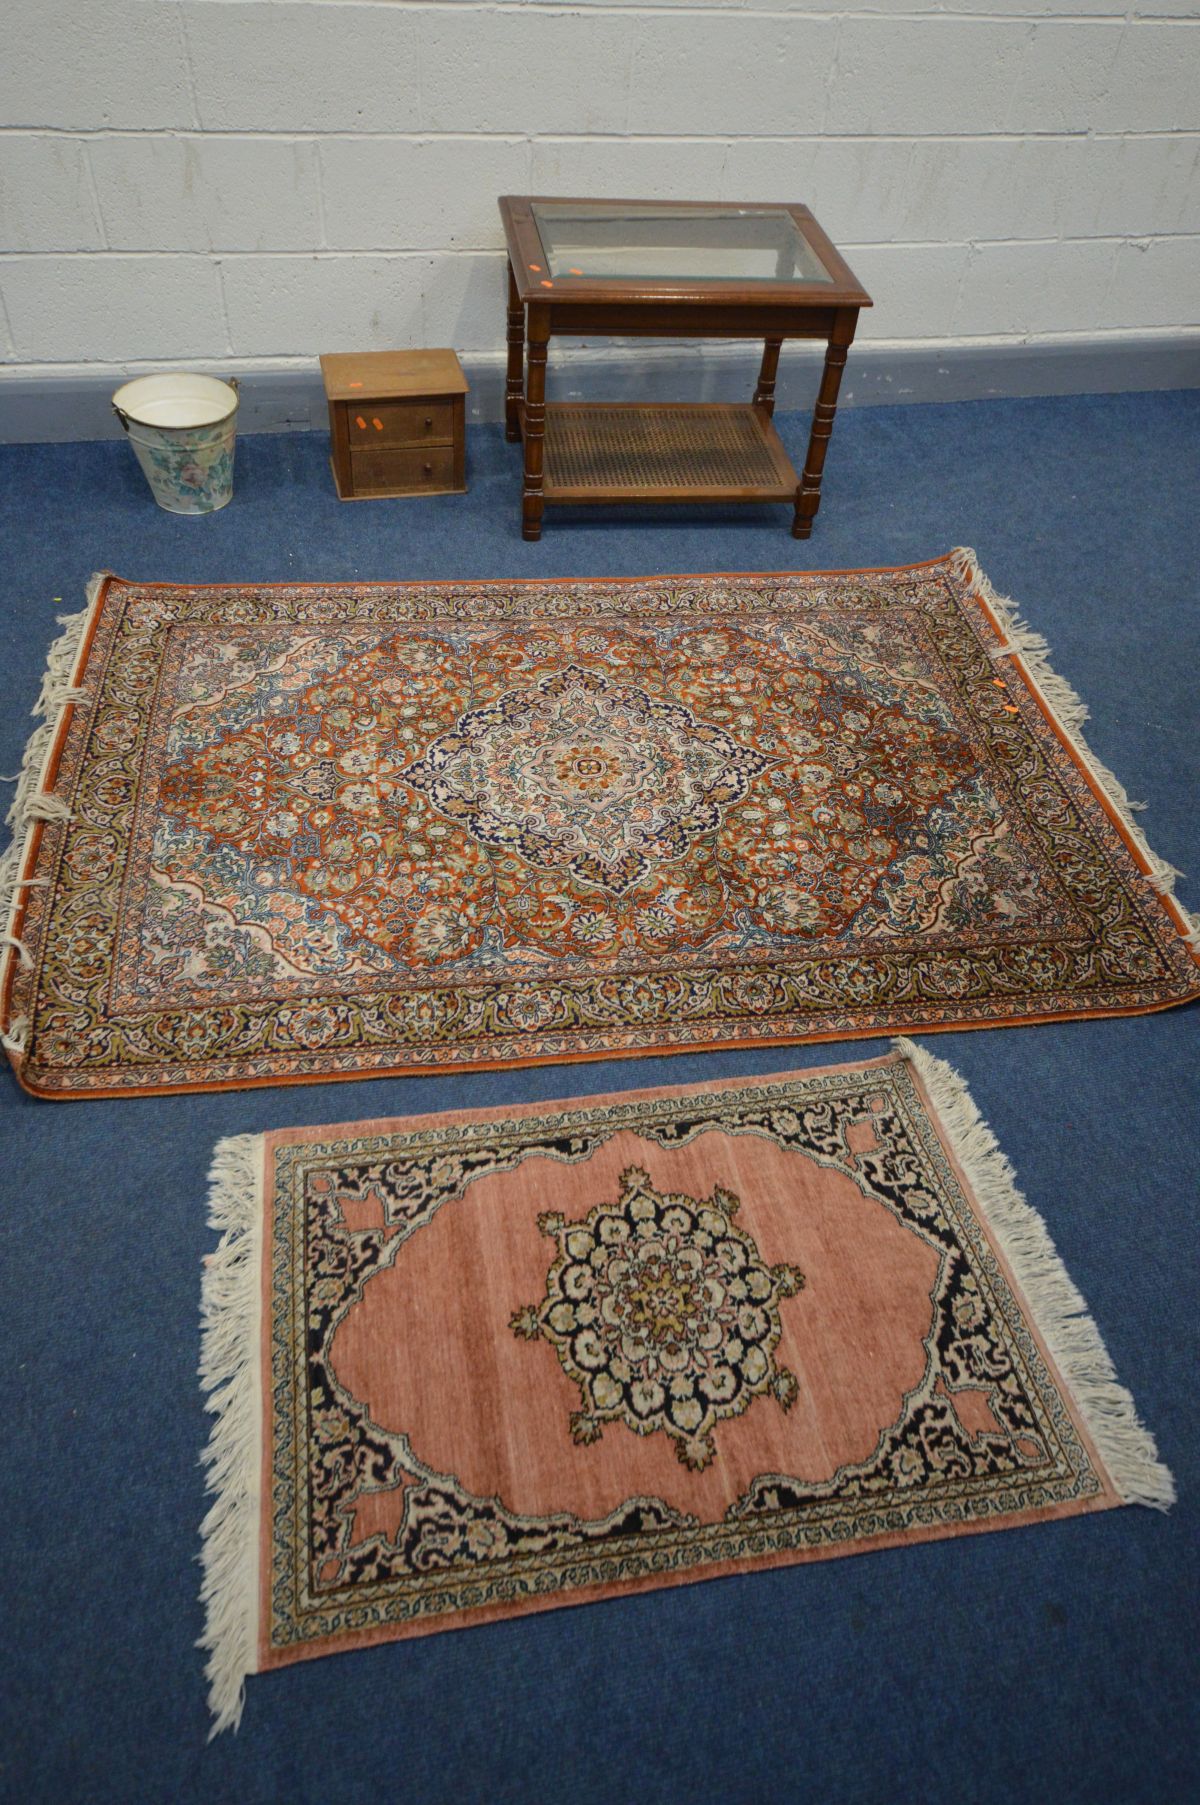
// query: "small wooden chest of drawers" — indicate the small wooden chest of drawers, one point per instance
point(397, 422)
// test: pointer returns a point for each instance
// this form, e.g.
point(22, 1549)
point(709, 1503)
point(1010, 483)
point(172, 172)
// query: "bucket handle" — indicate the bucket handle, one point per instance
point(229, 381)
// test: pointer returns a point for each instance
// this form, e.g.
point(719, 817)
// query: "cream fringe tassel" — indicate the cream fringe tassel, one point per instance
point(1070, 711)
point(1125, 1446)
point(230, 1376)
point(32, 802)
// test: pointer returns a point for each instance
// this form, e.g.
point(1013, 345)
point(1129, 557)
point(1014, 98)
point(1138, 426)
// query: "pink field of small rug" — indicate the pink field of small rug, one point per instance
point(272, 833)
point(470, 1365)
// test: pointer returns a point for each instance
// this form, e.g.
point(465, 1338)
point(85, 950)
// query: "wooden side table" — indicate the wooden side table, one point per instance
point(396, 421)
point(641, 269)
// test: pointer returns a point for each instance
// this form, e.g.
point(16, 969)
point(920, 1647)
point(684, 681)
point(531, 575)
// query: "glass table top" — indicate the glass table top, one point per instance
point(665, 243)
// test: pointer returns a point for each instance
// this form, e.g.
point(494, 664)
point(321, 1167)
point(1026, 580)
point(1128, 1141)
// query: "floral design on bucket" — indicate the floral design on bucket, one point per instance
point(664, 1314)
point(182, 427)
point(197, 479)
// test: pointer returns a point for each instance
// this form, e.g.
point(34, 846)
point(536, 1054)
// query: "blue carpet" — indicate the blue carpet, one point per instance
point(1051, 1663)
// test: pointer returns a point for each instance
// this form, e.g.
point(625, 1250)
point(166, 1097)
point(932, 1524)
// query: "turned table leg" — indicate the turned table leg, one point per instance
point(532, 501)
point(808, 495)
point(516, 361)
point(764, 394)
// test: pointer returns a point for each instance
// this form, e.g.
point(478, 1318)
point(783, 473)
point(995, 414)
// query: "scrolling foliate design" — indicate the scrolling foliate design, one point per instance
point(664, 1314)
point(450, 1548)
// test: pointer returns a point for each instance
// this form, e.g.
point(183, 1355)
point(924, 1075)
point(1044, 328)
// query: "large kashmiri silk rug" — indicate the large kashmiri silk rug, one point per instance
point(295, 832)
point(466, 1366)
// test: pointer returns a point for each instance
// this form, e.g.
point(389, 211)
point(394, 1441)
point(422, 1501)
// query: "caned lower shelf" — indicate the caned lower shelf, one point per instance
point(617, 451)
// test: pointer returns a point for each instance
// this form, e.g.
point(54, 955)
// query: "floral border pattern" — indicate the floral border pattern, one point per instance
point(452, 1551)
point(1115, 948)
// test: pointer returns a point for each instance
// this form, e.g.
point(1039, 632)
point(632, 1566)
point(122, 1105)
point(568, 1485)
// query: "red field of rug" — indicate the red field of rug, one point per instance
point(321, 831)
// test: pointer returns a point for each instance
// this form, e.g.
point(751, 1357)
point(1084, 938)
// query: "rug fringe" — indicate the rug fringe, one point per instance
point(1071, 712)
point(1125, 1446)
point(230, 1377)
point(31, 801)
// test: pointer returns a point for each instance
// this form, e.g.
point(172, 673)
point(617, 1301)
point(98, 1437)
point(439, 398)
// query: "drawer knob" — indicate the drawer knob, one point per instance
point(429, 423)
point(429, 469)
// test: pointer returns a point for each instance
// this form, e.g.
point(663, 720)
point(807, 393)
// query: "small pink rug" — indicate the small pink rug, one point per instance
point(466, 1366)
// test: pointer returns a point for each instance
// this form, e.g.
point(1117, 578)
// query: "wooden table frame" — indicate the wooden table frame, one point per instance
point(541, 305)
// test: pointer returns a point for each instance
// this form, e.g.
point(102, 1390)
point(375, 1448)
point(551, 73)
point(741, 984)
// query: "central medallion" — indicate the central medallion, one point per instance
point(596, 778)
point(664, 1314)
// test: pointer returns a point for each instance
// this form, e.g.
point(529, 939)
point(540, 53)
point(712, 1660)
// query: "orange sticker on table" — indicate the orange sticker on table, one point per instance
point(377, 423)
point(360, 423)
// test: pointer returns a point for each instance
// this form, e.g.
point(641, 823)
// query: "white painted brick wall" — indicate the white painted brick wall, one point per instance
point(490, 68)
point(254, 181)
point(109, 64)
point(194, 193)
point(286, 305)
point(716, 72)
point(436, 194)
point(46, 195)
point(278, 67)
point(93, 309)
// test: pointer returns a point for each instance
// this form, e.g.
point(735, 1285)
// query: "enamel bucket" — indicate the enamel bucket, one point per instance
point(182, 428)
